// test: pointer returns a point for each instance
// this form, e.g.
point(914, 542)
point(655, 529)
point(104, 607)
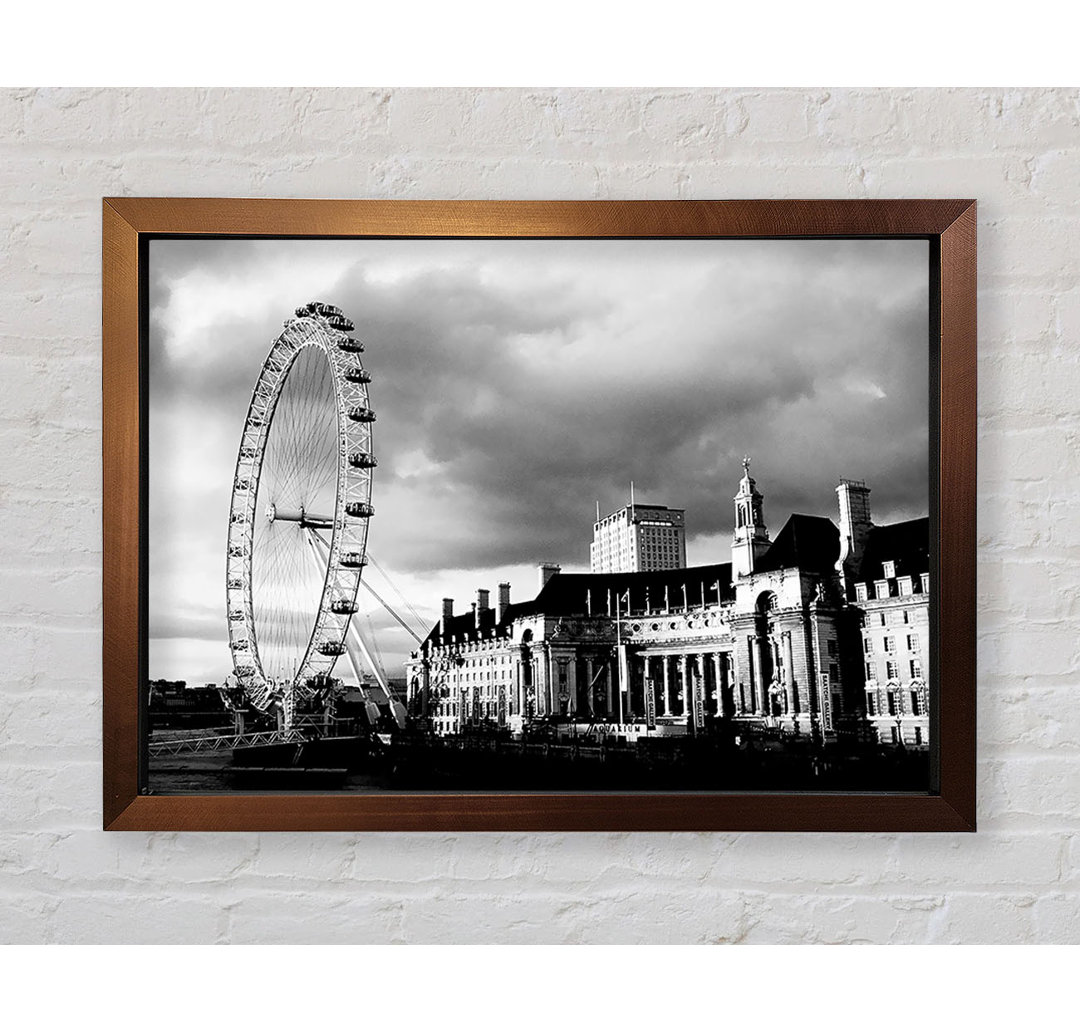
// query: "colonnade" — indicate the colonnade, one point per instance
point(591, 687)
point(674, 678)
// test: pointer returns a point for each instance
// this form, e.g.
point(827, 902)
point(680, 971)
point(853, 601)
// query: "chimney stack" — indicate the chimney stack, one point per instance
point(504, 601)
point(855, 526)
point(546, 572)
point(482, 603)
point(447, 613)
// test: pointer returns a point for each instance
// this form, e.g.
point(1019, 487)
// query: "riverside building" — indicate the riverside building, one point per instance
point(822, 631)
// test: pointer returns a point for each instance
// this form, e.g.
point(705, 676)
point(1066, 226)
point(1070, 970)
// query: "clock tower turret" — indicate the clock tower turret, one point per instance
point(751, 539)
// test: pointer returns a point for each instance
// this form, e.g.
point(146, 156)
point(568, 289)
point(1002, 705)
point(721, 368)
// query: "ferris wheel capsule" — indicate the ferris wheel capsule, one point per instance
point(292, 568)
point(362, 460)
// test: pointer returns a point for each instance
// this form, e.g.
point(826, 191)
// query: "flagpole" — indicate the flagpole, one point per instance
point(618, 653)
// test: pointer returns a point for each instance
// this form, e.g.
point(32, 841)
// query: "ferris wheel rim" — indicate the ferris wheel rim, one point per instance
point(347, 527)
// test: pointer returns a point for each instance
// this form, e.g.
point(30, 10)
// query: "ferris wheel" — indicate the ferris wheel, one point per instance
point(298, 522)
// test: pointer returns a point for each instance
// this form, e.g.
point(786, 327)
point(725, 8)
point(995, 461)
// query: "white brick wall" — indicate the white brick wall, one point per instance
point(1017, 880)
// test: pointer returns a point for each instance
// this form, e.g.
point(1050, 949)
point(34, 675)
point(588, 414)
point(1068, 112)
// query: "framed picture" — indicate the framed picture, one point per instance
point(486, 515)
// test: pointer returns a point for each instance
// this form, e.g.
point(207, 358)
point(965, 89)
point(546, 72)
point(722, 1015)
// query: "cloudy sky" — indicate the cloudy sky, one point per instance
point(517, 382)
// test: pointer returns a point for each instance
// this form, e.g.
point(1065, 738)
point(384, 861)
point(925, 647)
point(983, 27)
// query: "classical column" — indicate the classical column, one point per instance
point(752, 673)
point(705, 669)
point(589, 684)
point(666, 661)
point(624, 683)
point(543, 680)
point(571, 684)
point(789, 674)
point(731, 671)
point(718, 682)
point(552, 694)
point(683, 677)
point(610, 698)
point(727, 677)
point(777, 667)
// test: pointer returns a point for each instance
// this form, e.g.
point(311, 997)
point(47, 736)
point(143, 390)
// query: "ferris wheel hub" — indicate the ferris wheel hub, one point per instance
point(299, 516)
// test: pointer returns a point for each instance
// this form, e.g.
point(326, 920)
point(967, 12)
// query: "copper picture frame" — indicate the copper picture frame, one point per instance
point(950, 228)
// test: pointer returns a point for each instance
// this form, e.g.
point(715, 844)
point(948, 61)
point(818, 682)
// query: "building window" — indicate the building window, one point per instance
point(831, 647)
point(834, 672)
point(871, 704)
point(870, 673)
point(915, 708)
point(895, 735)
point(904, 584)
point(889, 644)
point(881, 589)
point(906, 618)
point(890, 670)
point(881, 618)
point(892, 704)
point(918, 736)
point(916, 669)
point(860, 593)
point(889, 568)
point(913, 643)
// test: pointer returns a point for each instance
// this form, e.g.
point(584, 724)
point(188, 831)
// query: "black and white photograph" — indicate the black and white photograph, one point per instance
point(538, 515)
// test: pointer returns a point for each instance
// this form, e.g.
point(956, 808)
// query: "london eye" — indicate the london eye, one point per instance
point(299, 515)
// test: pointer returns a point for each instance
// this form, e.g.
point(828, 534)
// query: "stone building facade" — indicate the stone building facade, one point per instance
point(893, 599)
point(820, 631)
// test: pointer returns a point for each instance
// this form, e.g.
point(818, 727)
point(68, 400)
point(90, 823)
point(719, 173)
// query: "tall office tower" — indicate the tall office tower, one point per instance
point(639, 537)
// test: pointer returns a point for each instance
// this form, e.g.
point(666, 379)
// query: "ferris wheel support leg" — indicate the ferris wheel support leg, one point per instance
point(353, 638)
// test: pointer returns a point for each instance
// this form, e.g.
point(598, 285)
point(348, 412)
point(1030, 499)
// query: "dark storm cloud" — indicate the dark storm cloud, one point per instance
point(517, 382)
